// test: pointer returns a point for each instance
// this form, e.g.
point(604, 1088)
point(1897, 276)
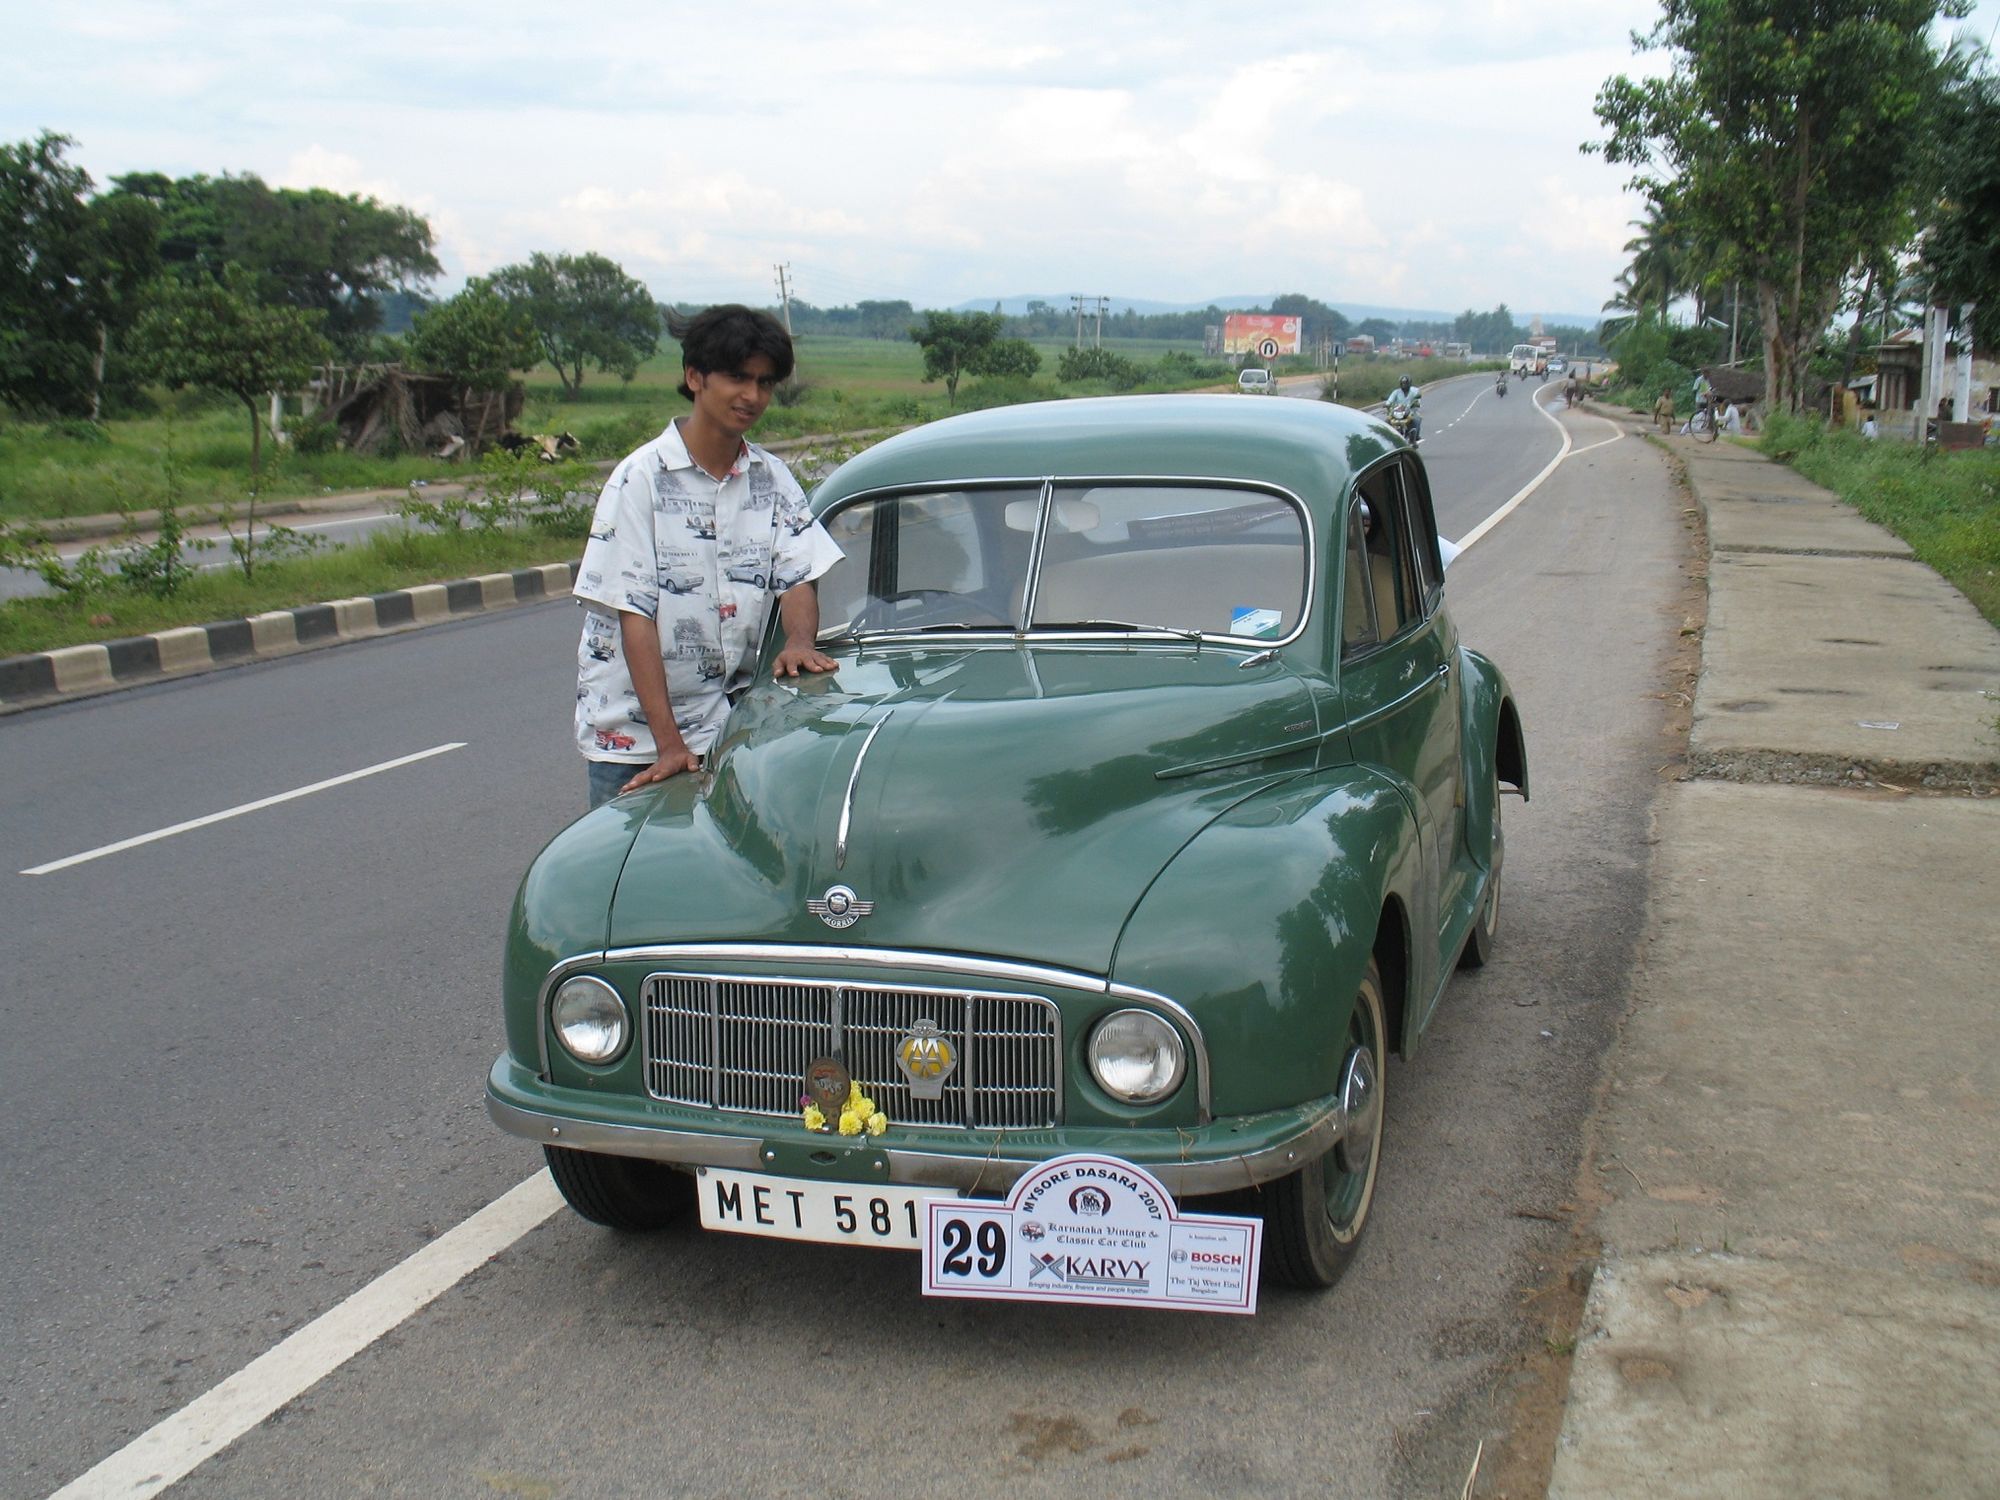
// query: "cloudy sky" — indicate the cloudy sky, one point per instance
point(1421, 154)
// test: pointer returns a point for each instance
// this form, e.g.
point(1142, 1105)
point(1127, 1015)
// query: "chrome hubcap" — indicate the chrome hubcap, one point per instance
point(1362, 1101)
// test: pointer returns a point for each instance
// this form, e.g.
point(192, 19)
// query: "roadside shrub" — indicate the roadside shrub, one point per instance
point(80, 430)
point(314, 435)
point(614, 437)
point(1115, 370)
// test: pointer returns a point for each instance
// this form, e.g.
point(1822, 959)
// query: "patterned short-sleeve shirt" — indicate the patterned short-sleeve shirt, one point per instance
point(703, 558)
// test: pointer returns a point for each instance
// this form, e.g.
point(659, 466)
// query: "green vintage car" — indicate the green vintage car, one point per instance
point(1151, 806)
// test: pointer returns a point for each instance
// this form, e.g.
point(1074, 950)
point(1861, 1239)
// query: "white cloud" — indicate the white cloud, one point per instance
point(1424, 155)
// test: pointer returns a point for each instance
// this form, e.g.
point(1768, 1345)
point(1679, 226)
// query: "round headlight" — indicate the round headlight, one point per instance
point(590, 1019)
point(1137, 1056)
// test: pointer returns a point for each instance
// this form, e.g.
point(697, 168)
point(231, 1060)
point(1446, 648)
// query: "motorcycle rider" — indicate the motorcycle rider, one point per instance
point(1405, 403)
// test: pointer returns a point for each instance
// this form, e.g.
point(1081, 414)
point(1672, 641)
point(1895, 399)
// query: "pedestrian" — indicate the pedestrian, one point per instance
point(694, 536)
point(1663, 411)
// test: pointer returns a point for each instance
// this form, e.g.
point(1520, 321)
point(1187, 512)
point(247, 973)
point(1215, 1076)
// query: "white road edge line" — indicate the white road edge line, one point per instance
point(1533, 484)
point(236, 812)
point(172, 1450)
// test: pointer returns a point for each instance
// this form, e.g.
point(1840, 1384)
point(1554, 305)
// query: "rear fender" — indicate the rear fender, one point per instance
point(1494, 748)
point(1261, 928)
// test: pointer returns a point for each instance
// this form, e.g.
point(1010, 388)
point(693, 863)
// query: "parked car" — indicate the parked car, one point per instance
point(1255, 382)
point(1148, 810)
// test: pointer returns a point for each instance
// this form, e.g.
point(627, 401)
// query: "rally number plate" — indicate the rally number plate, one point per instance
point(792, 1208)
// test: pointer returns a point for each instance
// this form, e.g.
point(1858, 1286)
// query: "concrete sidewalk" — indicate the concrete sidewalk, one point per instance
point(1799, 1145)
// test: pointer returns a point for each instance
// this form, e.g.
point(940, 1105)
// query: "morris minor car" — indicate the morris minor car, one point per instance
point(1150, 806)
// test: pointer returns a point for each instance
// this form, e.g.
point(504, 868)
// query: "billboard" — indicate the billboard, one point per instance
point(1266, 335)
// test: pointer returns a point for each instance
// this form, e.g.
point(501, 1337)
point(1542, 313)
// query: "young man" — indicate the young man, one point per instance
point(1406, 399)
point(694, 536)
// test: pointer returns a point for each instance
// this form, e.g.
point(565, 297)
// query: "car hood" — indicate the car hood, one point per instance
point(1012, 802)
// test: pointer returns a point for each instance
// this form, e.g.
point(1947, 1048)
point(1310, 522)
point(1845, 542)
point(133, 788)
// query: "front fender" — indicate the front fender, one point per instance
point(1262, 925)
point(562, 909)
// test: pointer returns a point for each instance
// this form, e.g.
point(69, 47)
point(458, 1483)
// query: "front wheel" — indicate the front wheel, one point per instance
point(620, 1192)
point(1313, 1219)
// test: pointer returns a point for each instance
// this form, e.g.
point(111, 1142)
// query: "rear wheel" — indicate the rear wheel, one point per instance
point(620, 1192)
point(1313, 1219)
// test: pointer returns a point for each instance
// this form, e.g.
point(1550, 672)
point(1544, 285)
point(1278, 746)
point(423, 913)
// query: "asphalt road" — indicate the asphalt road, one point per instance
point(244, 1062)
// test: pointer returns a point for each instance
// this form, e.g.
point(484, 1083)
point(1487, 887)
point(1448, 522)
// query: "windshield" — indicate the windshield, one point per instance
point(1182, 558)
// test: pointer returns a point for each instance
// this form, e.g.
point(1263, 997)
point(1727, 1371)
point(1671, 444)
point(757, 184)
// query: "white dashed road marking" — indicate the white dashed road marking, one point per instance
point(169, 1452)
point(236, 812)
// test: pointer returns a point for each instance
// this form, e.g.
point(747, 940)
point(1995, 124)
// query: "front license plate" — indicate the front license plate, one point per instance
point(793, 1208)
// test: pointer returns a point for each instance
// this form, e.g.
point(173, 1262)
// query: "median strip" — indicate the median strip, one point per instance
point(81, 671)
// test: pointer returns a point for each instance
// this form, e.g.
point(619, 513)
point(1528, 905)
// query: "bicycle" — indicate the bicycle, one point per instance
point(1702, 426)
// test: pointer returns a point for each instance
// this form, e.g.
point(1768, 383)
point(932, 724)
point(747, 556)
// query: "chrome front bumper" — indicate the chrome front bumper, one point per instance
point(1216, 1158)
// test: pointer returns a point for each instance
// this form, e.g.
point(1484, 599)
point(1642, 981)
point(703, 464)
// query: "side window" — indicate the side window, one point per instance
point(1424, 534)
point(1386, 554)
point(1357, 611)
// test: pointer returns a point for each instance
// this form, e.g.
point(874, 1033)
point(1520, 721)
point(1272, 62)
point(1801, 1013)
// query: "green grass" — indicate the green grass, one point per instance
point(45, 473)
point(49, 471)
point(1945, 505)
point(850, 385)
point(389, 560)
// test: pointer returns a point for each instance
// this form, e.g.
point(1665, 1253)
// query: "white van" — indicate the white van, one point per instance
point(1255, 382)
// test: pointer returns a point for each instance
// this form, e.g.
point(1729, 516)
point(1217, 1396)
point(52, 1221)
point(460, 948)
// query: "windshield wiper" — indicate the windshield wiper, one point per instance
point(1176, 630)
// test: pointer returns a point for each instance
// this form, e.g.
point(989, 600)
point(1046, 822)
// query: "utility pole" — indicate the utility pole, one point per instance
point(1076, 301)
point(785, 294)
point(1102, 303)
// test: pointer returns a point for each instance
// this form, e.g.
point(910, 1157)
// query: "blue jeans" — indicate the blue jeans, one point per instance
point(606, 777)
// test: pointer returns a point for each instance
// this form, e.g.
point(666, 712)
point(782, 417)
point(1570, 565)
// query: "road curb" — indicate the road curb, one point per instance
point(71, 672)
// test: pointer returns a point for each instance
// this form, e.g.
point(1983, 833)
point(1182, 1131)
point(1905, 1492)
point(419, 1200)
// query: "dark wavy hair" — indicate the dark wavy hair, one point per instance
point(723, 338)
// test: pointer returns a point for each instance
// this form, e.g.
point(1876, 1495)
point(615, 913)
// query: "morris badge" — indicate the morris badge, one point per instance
point(840, 907)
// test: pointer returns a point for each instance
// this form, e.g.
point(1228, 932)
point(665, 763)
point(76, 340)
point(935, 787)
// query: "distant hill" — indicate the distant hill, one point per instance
point(1357, 312)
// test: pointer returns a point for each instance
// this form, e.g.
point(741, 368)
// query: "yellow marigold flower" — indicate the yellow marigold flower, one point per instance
point(877, 1123)
point(864, 1106)
point(814, 1119)
point(850, 1123)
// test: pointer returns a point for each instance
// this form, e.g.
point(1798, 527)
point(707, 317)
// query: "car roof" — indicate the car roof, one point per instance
point(1311, 448)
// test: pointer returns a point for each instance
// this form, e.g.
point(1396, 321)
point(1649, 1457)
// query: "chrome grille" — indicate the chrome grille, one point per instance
point(743, 1044)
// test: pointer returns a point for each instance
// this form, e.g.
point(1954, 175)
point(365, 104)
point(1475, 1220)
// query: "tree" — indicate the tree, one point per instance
point(1015, 357)
point(956, 345)
point(218, 336)
point(1488, 333)
point(584, 309)
point(1788, 135)
point(477, 340)
point(69, 269)
point(1318, 321)
point(333, 253)
point(1961, 237)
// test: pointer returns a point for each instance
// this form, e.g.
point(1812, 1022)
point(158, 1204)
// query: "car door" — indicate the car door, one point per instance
point(1398, 653)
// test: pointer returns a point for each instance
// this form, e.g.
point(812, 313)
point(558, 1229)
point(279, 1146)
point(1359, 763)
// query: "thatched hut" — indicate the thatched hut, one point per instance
point(376, 407)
